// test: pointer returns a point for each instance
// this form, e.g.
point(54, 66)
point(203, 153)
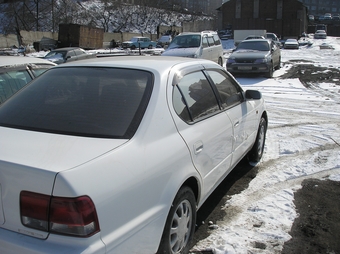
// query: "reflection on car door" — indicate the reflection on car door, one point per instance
point(241, 113)
point(206, 129)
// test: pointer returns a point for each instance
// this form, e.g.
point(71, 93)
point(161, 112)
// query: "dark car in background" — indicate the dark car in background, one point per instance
point(69, 54)
point(255, 56)
point(17, 71)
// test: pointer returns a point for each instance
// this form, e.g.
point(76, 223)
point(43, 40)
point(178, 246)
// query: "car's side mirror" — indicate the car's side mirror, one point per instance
point(253, 95)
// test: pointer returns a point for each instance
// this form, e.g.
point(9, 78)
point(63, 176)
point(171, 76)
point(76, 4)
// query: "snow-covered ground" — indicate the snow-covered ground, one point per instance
point(303, 141)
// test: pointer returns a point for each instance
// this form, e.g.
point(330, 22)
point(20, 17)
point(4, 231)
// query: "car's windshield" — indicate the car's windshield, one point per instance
point(186, 41)
point(253, 45)
point(93, 102)
point(56, 54)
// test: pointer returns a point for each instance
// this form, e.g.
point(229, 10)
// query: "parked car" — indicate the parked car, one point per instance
point(206, 45)
point(165, 40)
point(291, 44)
point(142, 42)
point(225, 34)
point(17, 71)
point(274, 38)
point(115, 155)
point(320, 34)
point(69, 54)
point(255, 56)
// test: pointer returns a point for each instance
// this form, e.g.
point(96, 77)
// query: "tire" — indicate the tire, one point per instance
point(180, 224)
point(133, 47)
point(278, 65)
point(269, 74)
point(255, 154)
point(220, 62)
point(150, 47)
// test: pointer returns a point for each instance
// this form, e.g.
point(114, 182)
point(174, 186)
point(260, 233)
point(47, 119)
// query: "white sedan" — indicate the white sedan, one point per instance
point(115, 155)
point(291, 44)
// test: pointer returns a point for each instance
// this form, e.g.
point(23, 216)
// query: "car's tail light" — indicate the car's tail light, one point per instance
point(67, 216)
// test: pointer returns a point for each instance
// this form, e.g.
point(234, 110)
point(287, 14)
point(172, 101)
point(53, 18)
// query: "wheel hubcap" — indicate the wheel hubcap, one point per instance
point(181, 227)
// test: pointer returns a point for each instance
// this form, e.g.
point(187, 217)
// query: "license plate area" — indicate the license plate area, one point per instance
point(244, 68)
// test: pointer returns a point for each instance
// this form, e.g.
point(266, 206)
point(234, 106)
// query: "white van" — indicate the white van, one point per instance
point(206, 45)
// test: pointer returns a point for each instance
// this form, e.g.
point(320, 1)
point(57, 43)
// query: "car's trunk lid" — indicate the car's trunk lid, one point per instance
point(31, 160)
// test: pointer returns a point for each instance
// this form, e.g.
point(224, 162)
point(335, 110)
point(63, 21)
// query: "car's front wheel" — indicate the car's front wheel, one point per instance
point(180, 224)
point(255, 154)
point(133, 47)
point(270, 72)
point(220, 61)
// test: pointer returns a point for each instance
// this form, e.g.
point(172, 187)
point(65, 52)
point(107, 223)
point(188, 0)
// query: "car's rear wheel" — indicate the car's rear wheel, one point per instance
point(255, 154)
point(150, 47)
point(180, 224)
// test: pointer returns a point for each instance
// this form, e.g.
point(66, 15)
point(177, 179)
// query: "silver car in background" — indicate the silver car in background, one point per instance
point(320, 34)
point(205, 45)
point(17, 71)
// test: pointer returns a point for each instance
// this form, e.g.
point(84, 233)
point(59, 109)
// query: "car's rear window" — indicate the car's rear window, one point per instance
point(82, 101)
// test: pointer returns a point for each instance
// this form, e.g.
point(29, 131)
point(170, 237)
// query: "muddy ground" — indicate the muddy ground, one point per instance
point(317, 228)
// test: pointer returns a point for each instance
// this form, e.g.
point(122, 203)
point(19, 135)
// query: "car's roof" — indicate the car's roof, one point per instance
point(198, 33)
point(21, 60)
point(157, 63)
point(255, 40)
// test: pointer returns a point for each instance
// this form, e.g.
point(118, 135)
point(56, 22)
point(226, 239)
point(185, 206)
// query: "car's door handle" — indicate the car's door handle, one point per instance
point(236, 124)
point(198, 147)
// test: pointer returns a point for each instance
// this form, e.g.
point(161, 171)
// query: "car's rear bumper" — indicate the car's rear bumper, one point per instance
point(13, 243)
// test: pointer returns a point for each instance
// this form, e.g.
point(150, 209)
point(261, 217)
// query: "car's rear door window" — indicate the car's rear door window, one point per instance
point(193, 97)
point(94, 102)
